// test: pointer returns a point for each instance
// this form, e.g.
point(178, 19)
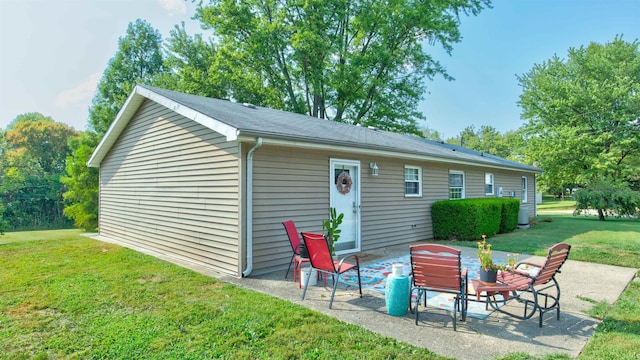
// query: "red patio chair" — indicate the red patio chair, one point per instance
point(294, 240)
point(532, 286)
point(321, 260)
point(438, 268)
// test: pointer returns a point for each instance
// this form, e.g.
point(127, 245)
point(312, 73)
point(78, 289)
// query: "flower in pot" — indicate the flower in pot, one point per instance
point(489, 269)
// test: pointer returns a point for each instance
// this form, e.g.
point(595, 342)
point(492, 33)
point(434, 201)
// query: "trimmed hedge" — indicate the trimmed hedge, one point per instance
point(509, 219)
point(469, 219)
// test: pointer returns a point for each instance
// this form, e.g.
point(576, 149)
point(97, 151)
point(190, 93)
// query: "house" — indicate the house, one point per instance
point(208, 182)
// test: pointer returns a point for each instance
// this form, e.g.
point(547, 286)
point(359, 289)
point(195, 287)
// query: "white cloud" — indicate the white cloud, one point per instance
point(174, 6)
point(82, 92)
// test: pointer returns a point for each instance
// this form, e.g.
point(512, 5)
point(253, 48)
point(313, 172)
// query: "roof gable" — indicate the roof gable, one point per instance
point(236, 120)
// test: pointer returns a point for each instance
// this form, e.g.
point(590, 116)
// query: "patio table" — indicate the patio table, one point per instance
point(490, 290)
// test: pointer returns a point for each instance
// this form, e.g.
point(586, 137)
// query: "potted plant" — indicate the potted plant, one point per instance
point(489, 269)
point(331, 228)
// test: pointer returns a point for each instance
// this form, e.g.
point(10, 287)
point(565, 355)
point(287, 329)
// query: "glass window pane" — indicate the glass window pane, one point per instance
point(411, 174)
point(455, 193)
point(411, 188)
point(455, 180)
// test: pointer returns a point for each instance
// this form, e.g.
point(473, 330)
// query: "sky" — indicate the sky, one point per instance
point(53, 53)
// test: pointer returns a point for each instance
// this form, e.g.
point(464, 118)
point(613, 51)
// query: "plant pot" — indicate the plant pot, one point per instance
point(313, 279)
point(488, 277)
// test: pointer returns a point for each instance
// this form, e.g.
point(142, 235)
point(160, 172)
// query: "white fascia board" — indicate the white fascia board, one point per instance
point(132, 105)
point(117, 126)
point(378, 152)
point(228, 131)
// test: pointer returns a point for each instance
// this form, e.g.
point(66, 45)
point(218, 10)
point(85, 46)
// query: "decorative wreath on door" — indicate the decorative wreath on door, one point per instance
point(344, 183)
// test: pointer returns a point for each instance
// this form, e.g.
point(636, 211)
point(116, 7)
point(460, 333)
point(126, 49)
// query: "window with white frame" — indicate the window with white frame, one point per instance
point(488, 184)
point(456, 185)
point(524, 189)
point(412, 180)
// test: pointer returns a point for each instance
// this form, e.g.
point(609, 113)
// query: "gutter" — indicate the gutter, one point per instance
point(249, 210)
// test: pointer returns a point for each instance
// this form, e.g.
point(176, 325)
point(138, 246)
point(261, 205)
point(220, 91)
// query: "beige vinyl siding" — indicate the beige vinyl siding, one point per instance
point(388, 216)
point(511, 181)
point(288, 184)
point(292, 183)
point(170, 185)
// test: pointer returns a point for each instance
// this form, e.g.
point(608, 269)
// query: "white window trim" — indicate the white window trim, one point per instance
point(464, 183)
point(525, 189)
point(419, 194)
point(493, 184)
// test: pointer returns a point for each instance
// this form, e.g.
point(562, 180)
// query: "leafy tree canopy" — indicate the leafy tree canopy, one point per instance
point(29, 117)
point(488, 140)
point(138, 60)
point(34, 150)
point(81, 181)
point(608, 197)
point(41, 138)
point(583, 114)
point(360, 62)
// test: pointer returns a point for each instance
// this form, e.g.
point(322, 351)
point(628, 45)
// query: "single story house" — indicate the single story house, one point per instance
point(209, 182)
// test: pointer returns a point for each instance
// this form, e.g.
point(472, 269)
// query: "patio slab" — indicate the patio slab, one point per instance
point(496, 335)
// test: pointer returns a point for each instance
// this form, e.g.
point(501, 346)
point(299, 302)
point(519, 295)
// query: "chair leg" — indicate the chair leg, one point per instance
point(335, 285)
point(455, 312)
point(307, 285)
point(289, 268)
point(420, 292)
point(360, 283)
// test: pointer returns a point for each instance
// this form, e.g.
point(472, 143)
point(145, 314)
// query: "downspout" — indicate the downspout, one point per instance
point(249, 210)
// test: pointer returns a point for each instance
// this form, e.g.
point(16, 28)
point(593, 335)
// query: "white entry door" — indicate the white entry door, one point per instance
point(344, 184)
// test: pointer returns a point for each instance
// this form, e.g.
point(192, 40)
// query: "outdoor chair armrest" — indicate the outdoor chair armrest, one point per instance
point(345, 258)
point(526, 264)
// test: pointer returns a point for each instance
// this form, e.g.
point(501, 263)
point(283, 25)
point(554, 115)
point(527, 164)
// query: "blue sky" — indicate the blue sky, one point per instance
point(53, 53)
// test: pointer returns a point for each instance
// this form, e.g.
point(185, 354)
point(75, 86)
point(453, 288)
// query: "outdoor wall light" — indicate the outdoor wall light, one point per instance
point(374, 168)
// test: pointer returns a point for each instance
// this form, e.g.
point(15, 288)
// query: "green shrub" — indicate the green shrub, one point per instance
point(469, 219)
point(466, 219)
point(509, 217)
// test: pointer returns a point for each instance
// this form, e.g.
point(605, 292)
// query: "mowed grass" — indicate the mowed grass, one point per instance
point(66, 296)
point(551, 204)
point(63, 295)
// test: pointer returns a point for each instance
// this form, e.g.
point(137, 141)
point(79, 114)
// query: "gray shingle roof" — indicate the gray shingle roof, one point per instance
point(270, 123)
point(237, 120)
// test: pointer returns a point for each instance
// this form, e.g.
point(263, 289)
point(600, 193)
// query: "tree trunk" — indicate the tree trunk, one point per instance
point(600, 215)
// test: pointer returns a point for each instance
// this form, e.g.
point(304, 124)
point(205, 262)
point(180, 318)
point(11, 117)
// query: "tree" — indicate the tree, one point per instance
point(360, 62)
point(431, 134)
point(608, 198)
point(26, 117)
point(33, 160)
point(42, 138)
point(583, 114)
point(137, 60)
point(81, 181)
point(3, 223)
point(487, 140)
point(3, 148)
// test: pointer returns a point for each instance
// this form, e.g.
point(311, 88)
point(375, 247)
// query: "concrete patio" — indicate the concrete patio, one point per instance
point(496, 335)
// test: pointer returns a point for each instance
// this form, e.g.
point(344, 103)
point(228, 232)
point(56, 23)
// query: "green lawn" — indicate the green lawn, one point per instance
point(66, 296)
point(549, 203)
